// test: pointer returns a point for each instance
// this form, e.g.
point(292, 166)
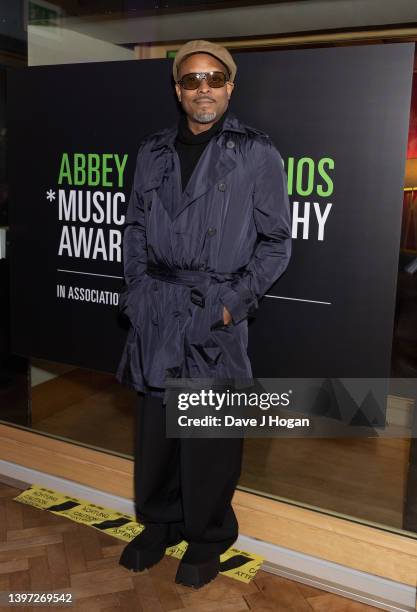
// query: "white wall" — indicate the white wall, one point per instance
point(57, 45)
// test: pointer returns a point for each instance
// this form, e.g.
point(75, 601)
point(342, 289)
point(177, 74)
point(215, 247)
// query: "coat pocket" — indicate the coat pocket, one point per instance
point(132, 301)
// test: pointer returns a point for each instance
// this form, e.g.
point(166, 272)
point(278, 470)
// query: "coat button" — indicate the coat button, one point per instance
point(202, 268)
point(222, 186)
point(211, 231)
point(230, 144)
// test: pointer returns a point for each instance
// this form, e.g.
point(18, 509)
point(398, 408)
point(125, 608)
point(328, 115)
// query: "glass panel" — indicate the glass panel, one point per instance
point(81, 405)
point(14, 369)
point(363, 479)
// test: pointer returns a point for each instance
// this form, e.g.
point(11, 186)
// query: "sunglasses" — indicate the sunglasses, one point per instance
point(193, 79)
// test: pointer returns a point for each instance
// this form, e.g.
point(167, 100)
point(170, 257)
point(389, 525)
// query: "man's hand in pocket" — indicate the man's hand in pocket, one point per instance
point(227, 317)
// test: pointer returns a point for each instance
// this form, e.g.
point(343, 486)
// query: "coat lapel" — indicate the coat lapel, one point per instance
point(214, 164)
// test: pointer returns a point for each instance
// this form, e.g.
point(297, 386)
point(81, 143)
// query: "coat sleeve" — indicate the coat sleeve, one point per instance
point(134, 239)
point(271, 256)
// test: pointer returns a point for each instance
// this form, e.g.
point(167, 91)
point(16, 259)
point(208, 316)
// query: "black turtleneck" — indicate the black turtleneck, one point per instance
point(190, 146)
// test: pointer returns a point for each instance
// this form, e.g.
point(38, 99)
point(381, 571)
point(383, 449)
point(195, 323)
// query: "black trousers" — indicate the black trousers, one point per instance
point(184, 482)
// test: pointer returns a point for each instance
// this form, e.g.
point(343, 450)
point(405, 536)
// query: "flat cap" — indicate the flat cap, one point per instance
point(204, 46)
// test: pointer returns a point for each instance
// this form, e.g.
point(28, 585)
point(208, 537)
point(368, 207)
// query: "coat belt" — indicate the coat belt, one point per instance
point(197, 280)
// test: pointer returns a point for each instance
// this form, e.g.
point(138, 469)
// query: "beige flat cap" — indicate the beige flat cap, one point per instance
point(204, 46)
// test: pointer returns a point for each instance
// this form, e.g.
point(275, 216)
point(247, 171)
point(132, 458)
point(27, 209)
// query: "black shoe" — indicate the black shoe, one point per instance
point(199, 565)
point(147, 548)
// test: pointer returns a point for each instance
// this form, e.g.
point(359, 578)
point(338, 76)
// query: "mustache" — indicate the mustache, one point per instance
point(204, 98)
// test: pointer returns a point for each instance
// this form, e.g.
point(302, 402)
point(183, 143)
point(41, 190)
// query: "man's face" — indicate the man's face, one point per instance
point(204, 104)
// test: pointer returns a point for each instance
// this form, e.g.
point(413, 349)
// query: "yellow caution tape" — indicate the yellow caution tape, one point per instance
point(42, 498)
point(234, 563)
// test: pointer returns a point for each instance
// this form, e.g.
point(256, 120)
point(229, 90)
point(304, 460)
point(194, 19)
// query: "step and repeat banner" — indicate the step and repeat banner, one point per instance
point(338, 116)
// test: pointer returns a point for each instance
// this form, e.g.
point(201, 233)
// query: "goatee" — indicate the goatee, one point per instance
point(204, 117)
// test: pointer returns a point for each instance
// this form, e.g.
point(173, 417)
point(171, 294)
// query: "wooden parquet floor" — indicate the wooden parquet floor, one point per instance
point(40, 551)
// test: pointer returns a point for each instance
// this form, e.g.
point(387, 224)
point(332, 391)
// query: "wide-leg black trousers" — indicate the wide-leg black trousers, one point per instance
point(187, 483)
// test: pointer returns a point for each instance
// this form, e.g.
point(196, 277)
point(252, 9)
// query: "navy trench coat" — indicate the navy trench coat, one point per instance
point(224, 241)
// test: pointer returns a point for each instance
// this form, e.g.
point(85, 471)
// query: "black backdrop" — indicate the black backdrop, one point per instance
point(334, 306)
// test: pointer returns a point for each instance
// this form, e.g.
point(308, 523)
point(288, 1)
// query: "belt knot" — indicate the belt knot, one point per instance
point(197, 280)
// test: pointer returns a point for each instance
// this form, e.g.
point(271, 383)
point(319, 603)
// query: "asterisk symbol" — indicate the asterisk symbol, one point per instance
point(50, 195)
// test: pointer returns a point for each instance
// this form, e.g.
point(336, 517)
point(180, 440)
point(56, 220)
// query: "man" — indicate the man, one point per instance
point(207, 233)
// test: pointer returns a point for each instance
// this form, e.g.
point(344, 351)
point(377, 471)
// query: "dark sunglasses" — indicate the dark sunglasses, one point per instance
point(193, 79)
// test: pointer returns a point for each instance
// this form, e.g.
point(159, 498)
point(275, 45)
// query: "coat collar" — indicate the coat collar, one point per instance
point(166, 137)
point(218, 161)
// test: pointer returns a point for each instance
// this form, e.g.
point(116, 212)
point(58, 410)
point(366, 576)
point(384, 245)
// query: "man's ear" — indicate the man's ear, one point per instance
point(229, 87)
point(178, 91)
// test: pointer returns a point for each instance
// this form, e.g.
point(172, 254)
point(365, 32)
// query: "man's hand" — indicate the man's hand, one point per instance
point(227, 317)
